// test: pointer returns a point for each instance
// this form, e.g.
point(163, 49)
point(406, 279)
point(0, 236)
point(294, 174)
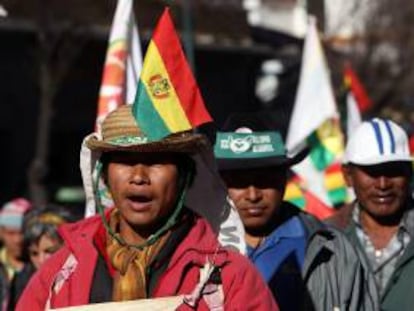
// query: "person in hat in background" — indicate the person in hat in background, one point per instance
point(11, 219)
point(307, 265)
point(380, 222)
point(150, 244)
point(40, 241)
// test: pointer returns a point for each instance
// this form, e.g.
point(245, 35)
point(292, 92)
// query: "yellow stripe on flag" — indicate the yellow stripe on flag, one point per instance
point(334, 181)
point(330, 134)
point(292, 192)
point(166, 102)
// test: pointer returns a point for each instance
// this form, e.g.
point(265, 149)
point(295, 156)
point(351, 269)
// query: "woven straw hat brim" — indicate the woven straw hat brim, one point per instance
point(178, 143)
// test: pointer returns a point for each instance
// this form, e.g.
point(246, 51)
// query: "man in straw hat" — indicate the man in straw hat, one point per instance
point(380, 222)
point(160, 238)
point(307, 265)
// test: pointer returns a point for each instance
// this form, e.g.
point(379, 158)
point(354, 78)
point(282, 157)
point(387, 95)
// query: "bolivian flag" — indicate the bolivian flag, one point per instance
point(335, 184)
point(297, 194)
point(168, 99)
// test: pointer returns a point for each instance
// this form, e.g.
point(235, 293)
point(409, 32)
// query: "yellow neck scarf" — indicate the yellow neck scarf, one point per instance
point(130, 264)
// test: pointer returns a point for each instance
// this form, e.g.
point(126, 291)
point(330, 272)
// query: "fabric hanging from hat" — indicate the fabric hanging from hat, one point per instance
point(168, 99)
point(130, 264)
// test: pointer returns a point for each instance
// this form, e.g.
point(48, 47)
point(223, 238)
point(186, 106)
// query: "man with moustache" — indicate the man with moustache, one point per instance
point(380, 222)
point(307, 265)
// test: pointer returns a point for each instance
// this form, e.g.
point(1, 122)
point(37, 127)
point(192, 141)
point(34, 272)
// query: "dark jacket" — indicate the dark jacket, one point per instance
point(334, 274)
point(398, 294)
point(18, 284)
point(4, 288)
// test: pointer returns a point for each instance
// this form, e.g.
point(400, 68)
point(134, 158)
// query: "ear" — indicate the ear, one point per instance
point(347, 173)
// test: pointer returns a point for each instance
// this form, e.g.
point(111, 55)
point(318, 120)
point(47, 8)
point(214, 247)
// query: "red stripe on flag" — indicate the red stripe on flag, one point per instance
point(411, 144)
point(335, 167)
point(169, 47)
point(360, 94)
point(316, 207)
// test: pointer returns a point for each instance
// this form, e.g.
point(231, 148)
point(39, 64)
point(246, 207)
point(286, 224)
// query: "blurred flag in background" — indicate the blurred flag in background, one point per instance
point(123, 62)
point(315, 123)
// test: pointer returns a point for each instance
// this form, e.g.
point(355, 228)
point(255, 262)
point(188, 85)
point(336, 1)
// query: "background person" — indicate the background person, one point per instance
point(380, 222)
point(11, 220)
point(11, 262)
point(40, 240)
point(307, 265)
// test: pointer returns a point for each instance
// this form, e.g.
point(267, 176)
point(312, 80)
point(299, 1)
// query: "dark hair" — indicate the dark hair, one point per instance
point(43, 221)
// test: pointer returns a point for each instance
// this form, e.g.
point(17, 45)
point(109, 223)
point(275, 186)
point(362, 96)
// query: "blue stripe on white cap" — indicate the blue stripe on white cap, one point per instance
point(392, 139)
point(378, 136)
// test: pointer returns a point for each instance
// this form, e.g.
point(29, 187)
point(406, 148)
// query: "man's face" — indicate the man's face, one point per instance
point(143, 187)
point(381, 190)
point(13, 241)
point(257, 194)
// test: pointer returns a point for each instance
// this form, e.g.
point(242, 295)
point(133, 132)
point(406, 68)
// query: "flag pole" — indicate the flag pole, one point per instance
point(188, 39)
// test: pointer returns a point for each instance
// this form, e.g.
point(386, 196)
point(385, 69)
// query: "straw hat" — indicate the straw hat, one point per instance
point(120, 132)
point(207, 195)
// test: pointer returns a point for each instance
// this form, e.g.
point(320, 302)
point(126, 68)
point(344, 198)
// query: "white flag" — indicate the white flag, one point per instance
point(315, 102)
point(123, 62)
point(353, 116)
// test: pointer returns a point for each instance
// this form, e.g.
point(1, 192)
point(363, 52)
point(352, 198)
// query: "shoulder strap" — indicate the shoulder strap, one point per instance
point(211, 292)
point(213, 295)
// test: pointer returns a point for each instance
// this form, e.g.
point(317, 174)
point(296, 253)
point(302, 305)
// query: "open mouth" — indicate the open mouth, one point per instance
point(139, 202)
point(139, 198)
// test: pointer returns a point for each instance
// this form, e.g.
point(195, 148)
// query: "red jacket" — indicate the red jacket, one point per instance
point(243, 287)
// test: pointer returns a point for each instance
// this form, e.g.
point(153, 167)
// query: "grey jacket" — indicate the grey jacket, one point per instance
point(398, 294)
point(336, 274)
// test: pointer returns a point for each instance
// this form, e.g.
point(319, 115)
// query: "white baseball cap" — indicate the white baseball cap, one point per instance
point(377, 141)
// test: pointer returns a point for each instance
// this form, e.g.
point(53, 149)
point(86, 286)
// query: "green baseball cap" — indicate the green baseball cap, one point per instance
point(251, 141)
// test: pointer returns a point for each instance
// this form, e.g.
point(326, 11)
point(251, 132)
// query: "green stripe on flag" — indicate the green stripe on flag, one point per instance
point(337, 196)
point(321, 156)
point(299, 202)
point(147, 117)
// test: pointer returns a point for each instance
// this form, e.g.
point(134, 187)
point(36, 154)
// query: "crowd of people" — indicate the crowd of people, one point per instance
point(29, 237)
point(176, 222)
point(156, 247)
